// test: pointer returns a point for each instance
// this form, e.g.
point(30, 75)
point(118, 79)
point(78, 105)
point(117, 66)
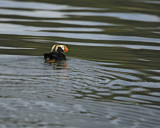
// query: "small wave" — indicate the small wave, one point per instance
point(41, 6)
point(113, 45)
point(30, 31)
point(2, 47)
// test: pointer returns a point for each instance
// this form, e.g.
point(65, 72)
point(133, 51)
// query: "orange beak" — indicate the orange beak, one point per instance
point(65, 49)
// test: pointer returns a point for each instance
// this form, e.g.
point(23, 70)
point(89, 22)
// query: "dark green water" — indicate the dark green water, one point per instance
point(111, 78)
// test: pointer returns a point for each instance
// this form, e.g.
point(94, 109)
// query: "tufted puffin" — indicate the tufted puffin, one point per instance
point(57, 53)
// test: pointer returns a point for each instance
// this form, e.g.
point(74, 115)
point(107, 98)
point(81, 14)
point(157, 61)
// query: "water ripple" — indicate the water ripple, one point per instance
point(41, 6)
point(38, 91)
point(42, 14)
point(2, 47)
point(113, 45)
point(124, 16)
point(30, 31)
point(70, 22)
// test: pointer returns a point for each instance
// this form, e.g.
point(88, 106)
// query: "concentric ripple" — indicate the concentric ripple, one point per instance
point(35, 93)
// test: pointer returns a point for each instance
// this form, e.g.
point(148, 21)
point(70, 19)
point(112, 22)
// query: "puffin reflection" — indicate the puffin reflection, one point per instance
point(58, 65)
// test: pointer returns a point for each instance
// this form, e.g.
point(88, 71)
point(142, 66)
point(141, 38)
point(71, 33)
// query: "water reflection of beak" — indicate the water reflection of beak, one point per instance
point(65, 49)
point(52, 61)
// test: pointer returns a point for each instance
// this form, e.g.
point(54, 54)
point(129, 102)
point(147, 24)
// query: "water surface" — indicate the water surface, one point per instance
point(111, 77)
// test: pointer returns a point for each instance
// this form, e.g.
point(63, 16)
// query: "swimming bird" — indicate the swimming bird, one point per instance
point(57, 53)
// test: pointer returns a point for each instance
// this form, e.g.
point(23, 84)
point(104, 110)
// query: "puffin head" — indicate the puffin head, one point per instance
point(59, 48)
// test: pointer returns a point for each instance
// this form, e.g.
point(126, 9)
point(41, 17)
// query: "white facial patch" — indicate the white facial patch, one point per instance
point(55, 48)
point(62, 47)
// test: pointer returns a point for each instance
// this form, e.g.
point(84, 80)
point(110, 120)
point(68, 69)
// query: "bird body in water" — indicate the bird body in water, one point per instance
point(57, 53)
